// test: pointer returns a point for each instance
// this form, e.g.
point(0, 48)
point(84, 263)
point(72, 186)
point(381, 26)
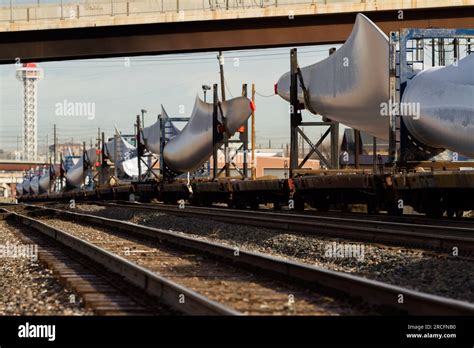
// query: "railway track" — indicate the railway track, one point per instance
point(237, 280)
point(99, 290)
point(408, 218)
point(145, 282)
point(417, 234)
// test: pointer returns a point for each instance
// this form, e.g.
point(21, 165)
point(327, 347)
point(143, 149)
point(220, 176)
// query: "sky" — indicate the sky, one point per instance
point(119, 88)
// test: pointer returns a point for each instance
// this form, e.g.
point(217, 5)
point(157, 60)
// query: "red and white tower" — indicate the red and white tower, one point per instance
point(29, 74)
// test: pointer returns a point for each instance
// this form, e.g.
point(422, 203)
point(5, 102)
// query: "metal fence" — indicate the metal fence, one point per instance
point(31, 10)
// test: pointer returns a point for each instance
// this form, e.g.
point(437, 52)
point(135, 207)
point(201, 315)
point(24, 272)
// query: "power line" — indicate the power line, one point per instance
point(227, 87)
point(106, 62)
point(265, 96)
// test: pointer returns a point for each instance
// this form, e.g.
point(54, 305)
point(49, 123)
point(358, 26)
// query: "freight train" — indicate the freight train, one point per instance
point(351, 86)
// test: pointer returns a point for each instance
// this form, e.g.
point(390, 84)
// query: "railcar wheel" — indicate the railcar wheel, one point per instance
point(394, 210)
point(459, 213)
point(322, 207)
point(345, 207)
point(299, 205)
point(435, 212)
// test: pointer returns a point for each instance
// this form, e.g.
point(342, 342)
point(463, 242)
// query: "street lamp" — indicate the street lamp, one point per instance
point(143, 117)
point(205, 88)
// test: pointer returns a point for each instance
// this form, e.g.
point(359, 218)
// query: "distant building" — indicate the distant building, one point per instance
point(272, 152)
point(74, 149)
point(268, 164)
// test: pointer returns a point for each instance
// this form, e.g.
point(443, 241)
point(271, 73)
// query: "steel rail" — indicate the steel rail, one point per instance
point(155, 285)
point(398, 233)
point(371, 291)
point(413, 219)
point(408, 218)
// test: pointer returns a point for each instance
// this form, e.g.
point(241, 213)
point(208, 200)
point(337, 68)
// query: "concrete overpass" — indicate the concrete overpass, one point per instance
point(11, 174)
point(94, 29)
point(8, 182)
point(20, 166)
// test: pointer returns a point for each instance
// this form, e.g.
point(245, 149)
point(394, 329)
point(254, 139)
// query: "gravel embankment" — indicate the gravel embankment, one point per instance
point(28, 288)
point(248, 292)
point(411, 268)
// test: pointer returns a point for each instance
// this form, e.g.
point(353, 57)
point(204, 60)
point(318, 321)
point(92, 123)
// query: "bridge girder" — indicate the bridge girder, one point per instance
point(166, 38)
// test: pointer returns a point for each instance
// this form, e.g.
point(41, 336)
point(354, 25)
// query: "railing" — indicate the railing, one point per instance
point(31, 10)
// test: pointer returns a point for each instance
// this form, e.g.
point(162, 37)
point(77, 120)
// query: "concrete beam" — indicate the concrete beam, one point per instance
point(11, 166)
point(211, 35)
point(98, 14)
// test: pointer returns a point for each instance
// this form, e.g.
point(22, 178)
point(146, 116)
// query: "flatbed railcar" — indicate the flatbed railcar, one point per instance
point(433, 193)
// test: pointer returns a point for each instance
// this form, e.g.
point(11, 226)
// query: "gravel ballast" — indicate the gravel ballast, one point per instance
point(245, 291)
point(412, 268)
point(28, 288)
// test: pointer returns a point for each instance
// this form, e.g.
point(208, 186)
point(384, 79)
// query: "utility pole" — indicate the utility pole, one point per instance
point(138, 147)
point(244, 136)
point(220, 57)
point(99, 157)
point(84, 163)
point(55, 144)
point(115, 156)
point(103, 163)
point(61, 171)
point(215, 135)
point(253, 134)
